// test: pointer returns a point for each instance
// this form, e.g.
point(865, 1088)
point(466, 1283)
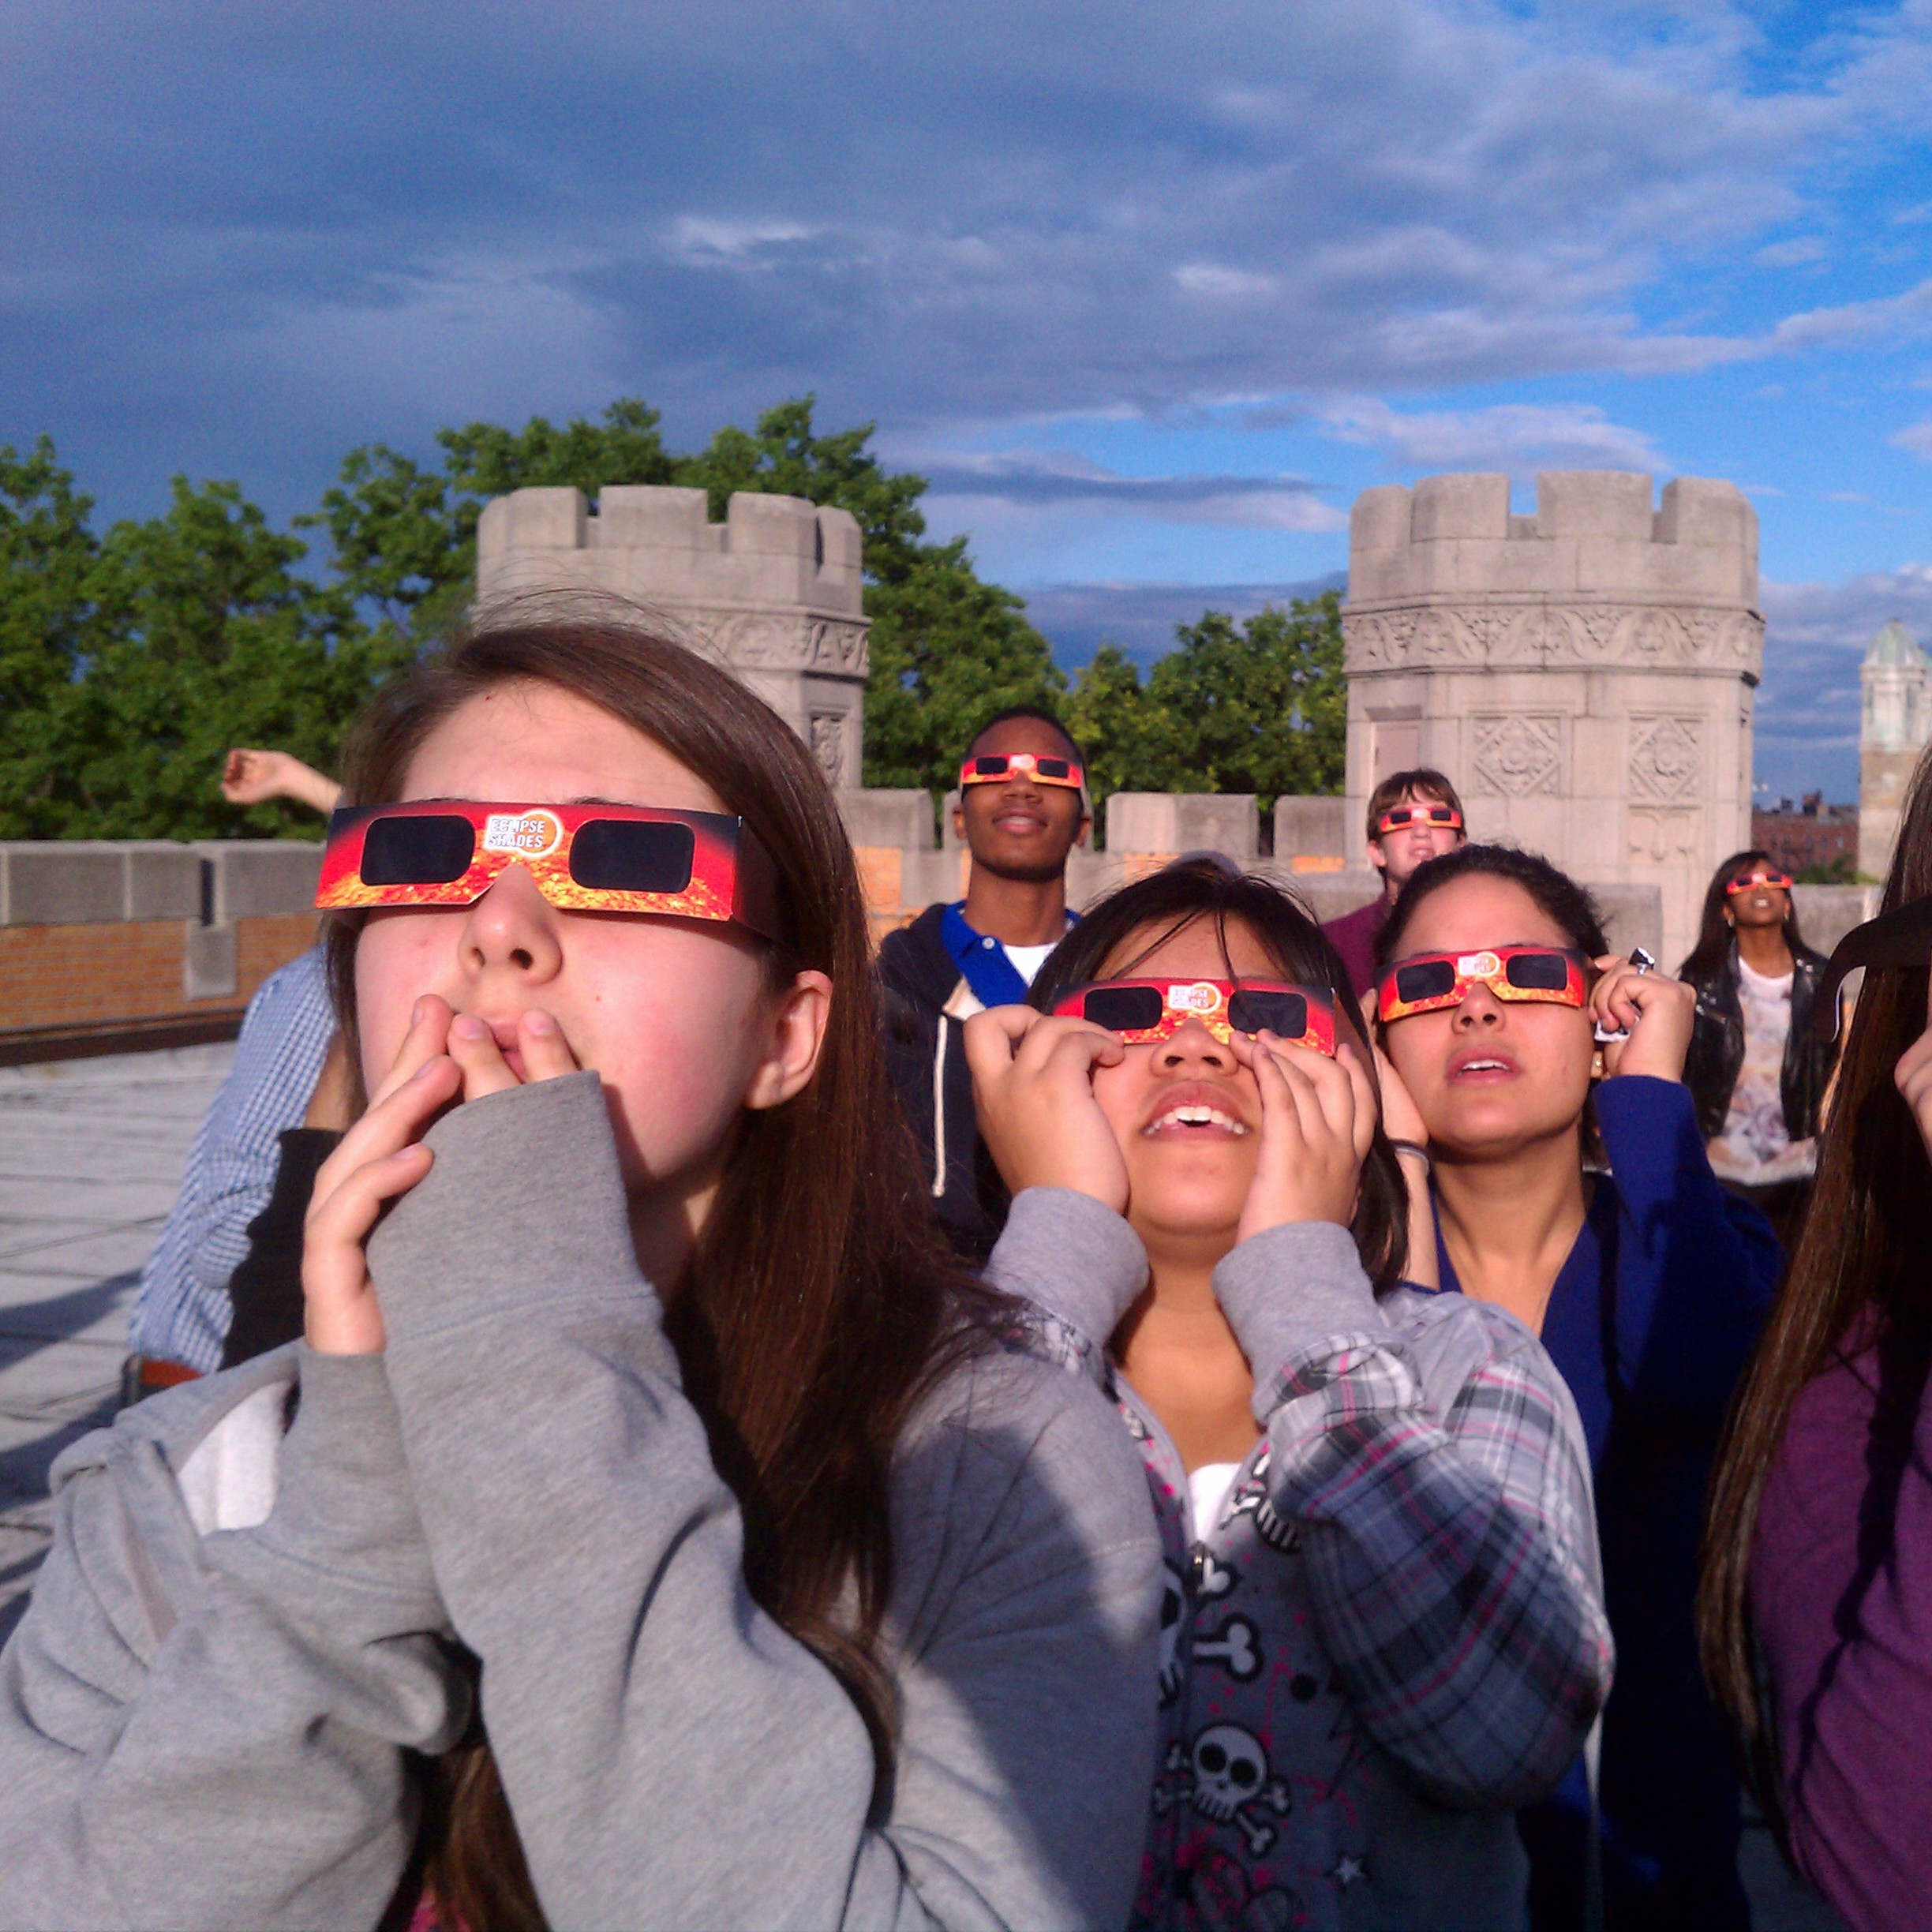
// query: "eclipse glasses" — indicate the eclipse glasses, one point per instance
point(1430, 981)
point(1399, 817)
point(998, 767)
point(1750, 882)
point(1902, 937)
point(581, 858)
point(1143, 1012)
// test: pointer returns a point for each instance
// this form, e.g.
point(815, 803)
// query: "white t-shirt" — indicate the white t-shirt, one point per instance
point(1208, 1487)
point(1755, 1147)
point(1026, 961)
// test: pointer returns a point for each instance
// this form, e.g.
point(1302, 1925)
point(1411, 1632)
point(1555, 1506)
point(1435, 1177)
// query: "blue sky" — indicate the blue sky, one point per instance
point(1149, 292)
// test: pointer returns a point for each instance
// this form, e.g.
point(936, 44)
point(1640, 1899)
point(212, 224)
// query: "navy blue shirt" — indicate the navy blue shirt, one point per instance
point(1652, 1319)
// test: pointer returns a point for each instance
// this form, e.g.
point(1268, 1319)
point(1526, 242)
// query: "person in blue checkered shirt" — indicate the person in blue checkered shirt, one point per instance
point(183, 1310)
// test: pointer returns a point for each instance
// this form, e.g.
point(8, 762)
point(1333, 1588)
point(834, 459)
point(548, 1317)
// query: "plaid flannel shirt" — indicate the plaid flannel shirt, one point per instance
point(1394, 1634)
point(182, 1310)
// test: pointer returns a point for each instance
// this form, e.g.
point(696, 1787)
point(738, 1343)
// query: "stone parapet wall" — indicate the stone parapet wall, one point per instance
point(106, 943)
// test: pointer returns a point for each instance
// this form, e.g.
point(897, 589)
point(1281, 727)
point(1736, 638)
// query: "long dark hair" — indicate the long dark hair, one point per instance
point(820, 1301)
point(1715, 933)
point(1147, 913)
point(1860, 1261)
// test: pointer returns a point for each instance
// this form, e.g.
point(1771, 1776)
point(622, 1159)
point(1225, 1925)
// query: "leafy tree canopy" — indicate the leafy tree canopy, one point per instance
point(1259, 708)
point(130, 661)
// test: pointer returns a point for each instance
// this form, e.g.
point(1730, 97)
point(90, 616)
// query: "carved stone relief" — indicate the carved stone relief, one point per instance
point(759, 641)
point(1588, 636)
point(1660, 837)
point(828, 744)
point(1666, 757)
point(1520, 756)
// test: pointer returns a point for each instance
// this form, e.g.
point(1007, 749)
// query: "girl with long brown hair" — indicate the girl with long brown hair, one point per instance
point(1383, 1628)
point(663, 1534)
point(1816, 1607)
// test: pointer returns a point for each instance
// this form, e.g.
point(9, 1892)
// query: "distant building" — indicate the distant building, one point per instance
point(1809, 834)
point(1895, 721)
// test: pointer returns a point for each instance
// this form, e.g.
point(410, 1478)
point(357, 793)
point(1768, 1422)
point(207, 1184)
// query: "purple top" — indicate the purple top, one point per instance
point(1841, 1598)
point(1354, 935)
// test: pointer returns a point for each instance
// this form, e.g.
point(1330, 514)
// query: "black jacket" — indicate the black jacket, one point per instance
point(926, 1002)
point(1717, 1048)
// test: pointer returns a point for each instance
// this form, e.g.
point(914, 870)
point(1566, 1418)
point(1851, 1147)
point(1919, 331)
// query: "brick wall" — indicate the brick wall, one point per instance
point(87, 975)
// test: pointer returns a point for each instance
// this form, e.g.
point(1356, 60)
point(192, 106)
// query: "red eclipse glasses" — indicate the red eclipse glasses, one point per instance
point(583, 858)
point(1144, 1011)
point(1430, 981)
point(1399, 817)
point(1749, 881)
point(997, 767)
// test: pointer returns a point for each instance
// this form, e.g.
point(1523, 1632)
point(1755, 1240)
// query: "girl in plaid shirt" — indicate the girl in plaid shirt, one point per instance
point(1382, 1628)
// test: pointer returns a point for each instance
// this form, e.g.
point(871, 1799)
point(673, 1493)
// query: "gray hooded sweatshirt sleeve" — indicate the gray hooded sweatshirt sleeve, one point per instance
point(672, 1756)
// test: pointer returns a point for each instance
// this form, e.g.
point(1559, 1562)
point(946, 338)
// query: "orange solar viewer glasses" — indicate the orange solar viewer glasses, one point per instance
point(583, 858)
point(1143, 1012)
point(997, 767)
point(1749, 881)
point(1430, 981)
point(1399, 817)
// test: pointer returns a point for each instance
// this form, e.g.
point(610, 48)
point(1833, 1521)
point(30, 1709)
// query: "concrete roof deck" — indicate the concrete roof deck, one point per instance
point(91, 1153)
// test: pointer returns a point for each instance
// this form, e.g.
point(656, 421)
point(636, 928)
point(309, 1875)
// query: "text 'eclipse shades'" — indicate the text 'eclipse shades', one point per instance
point(1142, 1012)
point(582, 858)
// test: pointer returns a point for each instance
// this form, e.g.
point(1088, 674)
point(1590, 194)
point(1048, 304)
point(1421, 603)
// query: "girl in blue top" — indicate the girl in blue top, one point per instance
point(1571, 1187)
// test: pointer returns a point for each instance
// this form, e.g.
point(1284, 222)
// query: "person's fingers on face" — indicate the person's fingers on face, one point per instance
point(393, 1122)
point(1362, 1090)
point(427, 1037)
point(473, 1047)
point(1328, 1080)
point(1044, 1042)
point(1282, 1131)
point(1311, 1118)
point(546, 1053)
point(340, 1315)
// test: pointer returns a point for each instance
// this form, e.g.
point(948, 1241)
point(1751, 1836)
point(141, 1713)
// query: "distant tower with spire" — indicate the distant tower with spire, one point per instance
point(1895, 721)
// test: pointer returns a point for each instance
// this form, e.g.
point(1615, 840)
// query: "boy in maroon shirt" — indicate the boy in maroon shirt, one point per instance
point(1413, 816)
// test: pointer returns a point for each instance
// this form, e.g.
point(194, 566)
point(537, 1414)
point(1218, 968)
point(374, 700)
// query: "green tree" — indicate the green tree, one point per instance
point(403, 537)
point(1261, 707)
point(206, 637)
point(47, 631)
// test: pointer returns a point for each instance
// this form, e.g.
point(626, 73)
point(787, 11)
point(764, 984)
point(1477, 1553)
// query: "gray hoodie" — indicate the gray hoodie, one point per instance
point(245, 1627)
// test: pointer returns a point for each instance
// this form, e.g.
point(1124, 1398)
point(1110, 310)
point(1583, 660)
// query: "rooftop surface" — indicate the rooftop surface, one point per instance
point(91, 1154)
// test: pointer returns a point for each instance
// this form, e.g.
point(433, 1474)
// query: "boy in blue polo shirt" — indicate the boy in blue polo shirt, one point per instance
point(1022, 810)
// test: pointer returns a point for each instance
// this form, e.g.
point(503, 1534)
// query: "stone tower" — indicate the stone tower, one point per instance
point(1584, 674)
point(775, 592)
point(1893, 725)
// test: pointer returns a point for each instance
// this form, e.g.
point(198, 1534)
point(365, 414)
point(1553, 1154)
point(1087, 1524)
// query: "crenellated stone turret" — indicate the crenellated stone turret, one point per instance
point(776, 591)
point(1894, 722)
point(1584, 674)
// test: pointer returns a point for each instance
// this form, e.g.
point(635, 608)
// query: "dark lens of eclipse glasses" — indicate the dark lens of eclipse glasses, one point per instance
point(1537, 972)
point(1124, 1009)
point(993, 765)
point(626, 855)
point(428, 851)
point(1283, 1013)
point(1051, 768)
point(1428, 979)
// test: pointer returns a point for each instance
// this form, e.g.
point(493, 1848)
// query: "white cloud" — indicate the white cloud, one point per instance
point(1520, 437)
point(1796, 253)
point(1918, 439)
point(1211, 279)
